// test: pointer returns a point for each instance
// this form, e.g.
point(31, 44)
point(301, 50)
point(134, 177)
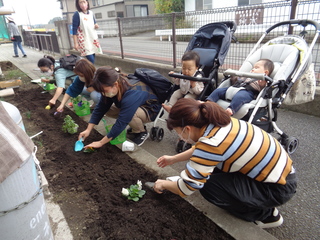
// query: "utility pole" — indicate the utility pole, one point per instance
point(294, 4)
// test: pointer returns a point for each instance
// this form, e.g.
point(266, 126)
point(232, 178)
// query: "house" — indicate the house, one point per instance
point(110, 9)
point(198, 5)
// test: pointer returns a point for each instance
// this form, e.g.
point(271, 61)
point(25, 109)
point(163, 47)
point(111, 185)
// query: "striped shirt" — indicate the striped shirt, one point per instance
point(237, 147)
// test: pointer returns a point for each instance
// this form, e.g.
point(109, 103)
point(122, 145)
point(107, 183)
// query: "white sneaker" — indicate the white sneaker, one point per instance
point(274, 220)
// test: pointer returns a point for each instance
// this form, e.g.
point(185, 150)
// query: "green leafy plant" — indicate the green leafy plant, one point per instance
point(69, 125)
point(28, 114)
point(135, 192)
point(77, 100)
point(89, 150)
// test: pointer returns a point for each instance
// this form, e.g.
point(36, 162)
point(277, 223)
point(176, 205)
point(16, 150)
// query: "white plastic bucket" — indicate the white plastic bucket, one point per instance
point(14, 113)
point(22, 207)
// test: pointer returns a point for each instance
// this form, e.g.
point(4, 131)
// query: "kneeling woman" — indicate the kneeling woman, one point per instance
point(82, 84)
point(131, 105)
point(47, 65)
point(235, 165)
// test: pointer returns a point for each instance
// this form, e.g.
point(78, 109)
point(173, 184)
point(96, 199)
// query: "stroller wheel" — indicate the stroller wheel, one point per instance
point(179, 146)
point(291, 145)
point(182, 146)
point(159, 134)
point(153, 133)
point(186, 146)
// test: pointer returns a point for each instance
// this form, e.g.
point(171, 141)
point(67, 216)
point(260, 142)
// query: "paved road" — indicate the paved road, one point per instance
point(146, 47)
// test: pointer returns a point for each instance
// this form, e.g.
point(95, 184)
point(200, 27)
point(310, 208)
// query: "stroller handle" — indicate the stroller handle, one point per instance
point(260, 76)
point(231, 25)
point(303, 23)
point(196, 79)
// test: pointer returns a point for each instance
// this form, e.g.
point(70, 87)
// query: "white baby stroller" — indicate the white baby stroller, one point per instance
point(292, 58)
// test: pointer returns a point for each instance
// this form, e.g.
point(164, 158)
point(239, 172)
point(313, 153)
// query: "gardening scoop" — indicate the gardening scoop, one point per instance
point(79, 145)
point(150, 186)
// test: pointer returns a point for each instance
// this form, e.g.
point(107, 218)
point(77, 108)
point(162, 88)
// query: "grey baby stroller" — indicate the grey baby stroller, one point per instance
point(211, 42)
point(292, 57)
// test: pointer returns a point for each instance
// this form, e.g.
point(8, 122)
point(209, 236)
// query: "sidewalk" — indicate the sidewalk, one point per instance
point(235, 227)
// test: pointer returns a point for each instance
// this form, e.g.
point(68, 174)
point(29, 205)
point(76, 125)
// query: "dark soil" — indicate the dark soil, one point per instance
point(87, 186)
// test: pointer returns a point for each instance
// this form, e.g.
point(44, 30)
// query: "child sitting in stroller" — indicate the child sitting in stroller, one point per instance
point(188, 89)
point(250, 87)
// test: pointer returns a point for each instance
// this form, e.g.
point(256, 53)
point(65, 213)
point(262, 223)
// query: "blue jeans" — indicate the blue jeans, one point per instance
point(91, 58)
point(94, 95)
point(240, 98)
point(17, 44)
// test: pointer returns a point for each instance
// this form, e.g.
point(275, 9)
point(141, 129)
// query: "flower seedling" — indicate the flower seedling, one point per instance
point(135, 192)
point(89, 150)
point(77, 100)
point(69, 125)
point(80, 103)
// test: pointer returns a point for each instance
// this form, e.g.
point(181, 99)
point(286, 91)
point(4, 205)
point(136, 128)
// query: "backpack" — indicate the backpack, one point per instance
point(68, 62)
point(160, 85)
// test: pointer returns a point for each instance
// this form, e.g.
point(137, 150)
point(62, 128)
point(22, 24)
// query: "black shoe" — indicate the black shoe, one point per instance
point(129, 130)
point(140, 138)
point(274, 220)
point(15, 56)
point(24, 56)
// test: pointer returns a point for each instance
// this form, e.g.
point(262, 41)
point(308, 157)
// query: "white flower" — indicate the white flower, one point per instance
point(125, 192)
point(139, 183)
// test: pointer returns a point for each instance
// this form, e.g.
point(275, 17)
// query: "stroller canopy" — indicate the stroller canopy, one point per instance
point(212, 41)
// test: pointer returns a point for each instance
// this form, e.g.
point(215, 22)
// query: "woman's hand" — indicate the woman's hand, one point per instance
point(159, 186)
point(96, 26)
point(60, 108)
point(165, 160)
point(97, 144)
point(84, 134)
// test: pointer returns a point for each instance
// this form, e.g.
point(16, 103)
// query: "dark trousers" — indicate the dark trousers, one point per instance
point(244, 197)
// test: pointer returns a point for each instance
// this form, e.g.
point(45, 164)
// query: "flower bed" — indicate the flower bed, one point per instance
point(88, 186)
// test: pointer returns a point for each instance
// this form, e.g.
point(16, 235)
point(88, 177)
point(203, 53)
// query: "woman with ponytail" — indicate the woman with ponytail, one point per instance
point(235, 165)
point(132, 105)
point(47, 66)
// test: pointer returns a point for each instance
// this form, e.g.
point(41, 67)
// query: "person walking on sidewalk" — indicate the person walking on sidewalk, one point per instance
point(15, 36)
point(85, 37)
point(235, 165)
point(131, 105)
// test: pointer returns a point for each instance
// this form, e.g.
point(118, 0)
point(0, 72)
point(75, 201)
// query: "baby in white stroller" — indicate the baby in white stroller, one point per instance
point(291, 56)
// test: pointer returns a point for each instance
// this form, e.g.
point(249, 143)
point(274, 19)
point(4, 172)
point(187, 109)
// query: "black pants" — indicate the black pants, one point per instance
point(244, 197)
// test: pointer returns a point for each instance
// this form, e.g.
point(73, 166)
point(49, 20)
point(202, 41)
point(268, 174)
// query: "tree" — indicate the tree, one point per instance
point(54, 19)
point(165, 6)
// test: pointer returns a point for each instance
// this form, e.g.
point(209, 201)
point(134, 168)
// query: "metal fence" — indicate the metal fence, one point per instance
point(163, 38)
point(41, 40)
point(139, 38)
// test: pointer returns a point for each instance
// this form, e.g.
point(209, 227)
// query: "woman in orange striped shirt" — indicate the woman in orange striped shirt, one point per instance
point(235, 165)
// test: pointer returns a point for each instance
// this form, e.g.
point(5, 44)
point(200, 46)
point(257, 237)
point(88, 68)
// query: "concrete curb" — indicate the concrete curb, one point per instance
point(237, 228)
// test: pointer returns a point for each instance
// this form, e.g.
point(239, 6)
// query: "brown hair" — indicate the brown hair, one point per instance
point(190, 112)
point(79, 8)
point(106, 77)
point(268, 65)
point(86, 68)
point(191, 55)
